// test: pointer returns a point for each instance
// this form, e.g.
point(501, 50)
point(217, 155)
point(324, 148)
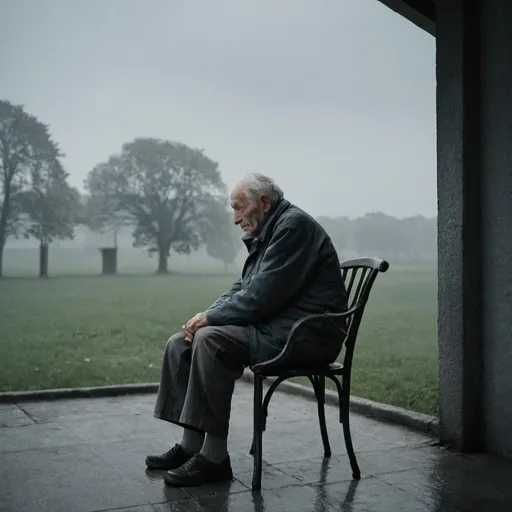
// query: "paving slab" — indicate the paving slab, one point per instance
point(87, 455)
point(11, 415)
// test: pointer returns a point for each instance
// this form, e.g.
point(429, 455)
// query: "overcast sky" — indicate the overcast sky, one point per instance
point(335, 99)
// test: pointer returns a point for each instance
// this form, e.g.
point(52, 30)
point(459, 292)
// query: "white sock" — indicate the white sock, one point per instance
point(215, 449)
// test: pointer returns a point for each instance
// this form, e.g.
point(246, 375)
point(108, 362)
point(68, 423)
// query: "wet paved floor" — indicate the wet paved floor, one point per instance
point(87, 455)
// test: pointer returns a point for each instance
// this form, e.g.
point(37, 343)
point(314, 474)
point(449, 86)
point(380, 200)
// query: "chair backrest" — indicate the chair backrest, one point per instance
point(359, 276)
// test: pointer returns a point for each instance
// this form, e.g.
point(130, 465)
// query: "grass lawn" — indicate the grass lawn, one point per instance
point(91, 330)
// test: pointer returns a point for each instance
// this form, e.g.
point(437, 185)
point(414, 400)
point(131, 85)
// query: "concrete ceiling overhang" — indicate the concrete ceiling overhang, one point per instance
point(420, 12)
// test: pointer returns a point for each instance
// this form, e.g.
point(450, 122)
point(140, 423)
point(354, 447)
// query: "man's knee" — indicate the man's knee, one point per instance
point(228, 339)
point(207, 340)
point(205, 333)
point(223, 344)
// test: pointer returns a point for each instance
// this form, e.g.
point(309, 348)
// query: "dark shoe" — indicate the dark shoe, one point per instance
point(199, 471)
point(173, 459)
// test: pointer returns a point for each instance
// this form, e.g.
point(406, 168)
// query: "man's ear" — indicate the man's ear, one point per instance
point(266, 203)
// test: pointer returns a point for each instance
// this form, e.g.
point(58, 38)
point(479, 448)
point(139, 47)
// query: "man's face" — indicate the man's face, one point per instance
point(249, 215)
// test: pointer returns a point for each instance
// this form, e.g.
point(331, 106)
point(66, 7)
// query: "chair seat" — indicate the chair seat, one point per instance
point(275, 371)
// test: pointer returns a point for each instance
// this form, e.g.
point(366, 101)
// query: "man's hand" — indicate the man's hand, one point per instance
point(193, 325)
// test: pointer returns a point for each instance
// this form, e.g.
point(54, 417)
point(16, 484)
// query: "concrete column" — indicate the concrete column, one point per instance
point(459, 171)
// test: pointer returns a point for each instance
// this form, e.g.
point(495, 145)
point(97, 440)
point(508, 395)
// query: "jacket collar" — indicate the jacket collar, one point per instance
point(268, 225)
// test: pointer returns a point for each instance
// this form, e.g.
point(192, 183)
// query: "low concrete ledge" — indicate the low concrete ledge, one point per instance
point(413, 420)
point(63, 393)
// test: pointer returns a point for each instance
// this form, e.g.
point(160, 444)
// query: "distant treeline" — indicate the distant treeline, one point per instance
point(377, 234)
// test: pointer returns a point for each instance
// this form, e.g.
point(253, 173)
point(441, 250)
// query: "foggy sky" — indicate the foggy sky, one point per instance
point(335, 99)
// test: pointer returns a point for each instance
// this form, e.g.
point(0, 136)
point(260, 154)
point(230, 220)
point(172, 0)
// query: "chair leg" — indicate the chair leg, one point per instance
point(320, 398)
point(257, 442)
point(344, 403)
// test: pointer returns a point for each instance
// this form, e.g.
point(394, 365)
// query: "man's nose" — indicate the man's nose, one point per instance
point(236, 218)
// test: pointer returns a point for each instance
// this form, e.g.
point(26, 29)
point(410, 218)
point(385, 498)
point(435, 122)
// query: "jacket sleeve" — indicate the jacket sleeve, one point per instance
point(285, 266)
point(226, 295)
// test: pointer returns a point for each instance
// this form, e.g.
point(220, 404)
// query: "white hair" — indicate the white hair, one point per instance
point(255, 185)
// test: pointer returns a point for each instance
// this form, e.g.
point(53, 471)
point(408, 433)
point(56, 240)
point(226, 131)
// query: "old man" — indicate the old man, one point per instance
point(292, 270)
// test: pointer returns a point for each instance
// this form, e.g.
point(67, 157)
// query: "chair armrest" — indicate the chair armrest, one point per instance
point(290, 341)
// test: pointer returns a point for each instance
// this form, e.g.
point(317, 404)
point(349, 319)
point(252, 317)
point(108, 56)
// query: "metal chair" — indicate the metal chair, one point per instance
point(359, 276)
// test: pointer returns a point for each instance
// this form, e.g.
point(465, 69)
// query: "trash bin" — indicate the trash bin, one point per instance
point(109, 260)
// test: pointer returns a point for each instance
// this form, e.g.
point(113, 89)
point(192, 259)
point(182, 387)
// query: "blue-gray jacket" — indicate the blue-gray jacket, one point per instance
point(292, 271)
